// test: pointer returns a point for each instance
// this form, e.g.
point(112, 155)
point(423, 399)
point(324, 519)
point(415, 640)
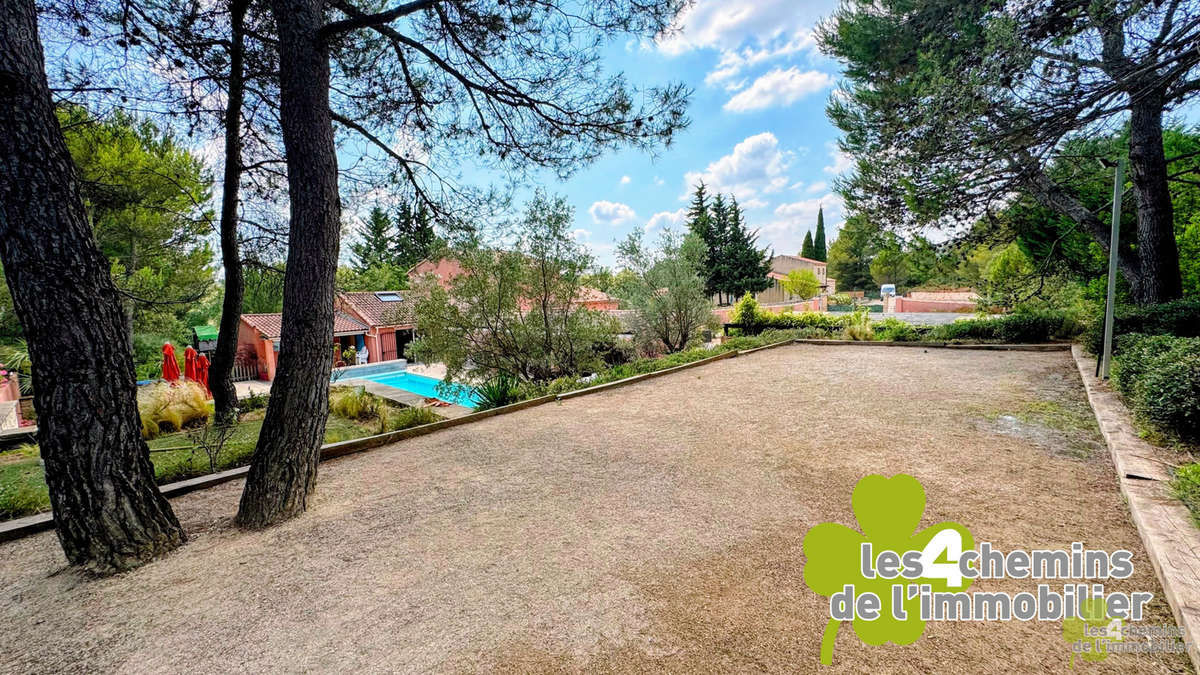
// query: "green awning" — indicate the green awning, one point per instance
point(205, 332)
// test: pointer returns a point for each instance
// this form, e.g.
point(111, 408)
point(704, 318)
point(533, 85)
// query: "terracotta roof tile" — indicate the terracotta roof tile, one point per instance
point(270, 324)
point(379, 313)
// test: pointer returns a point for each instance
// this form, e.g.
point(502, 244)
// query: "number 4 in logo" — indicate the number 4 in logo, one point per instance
point(948, 546)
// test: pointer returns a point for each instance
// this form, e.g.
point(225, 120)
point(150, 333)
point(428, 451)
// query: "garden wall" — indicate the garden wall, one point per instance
point(911, 305)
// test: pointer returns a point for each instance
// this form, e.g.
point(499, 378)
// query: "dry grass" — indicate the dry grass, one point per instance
point(654, 527)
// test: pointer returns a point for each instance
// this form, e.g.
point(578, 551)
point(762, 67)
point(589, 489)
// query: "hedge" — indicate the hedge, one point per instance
point(1178, 317)
point(1160, 377)
point(1019, 327)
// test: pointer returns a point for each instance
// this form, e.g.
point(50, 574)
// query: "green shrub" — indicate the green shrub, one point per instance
point(1178, 317)
point(392, 418)
point(967, 329)
point(353, 403)
point(1029, 326)
point(499, 391)
point(896, 330)
point(1186, 486)
point(1160, 377)
point(747, 312)
point(1136, 356)
point(740, 343)
point(254, 402)
point(858, 327)
point(1171, 394)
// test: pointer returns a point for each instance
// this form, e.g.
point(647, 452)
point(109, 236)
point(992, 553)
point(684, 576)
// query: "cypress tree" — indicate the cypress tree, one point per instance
point(718, 258)
point(806, 251)
point(819, 251)
point(415, 236)
point(748, 266)
point(700, 223)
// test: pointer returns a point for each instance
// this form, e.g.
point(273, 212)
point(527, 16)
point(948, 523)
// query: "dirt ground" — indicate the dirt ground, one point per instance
point(654, 527)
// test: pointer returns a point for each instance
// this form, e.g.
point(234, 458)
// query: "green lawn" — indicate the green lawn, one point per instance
point(23, 488)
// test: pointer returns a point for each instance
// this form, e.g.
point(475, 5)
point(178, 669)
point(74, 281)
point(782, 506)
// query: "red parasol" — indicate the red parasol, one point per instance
point(189, 363)
point(170, 367)
point(202, 373)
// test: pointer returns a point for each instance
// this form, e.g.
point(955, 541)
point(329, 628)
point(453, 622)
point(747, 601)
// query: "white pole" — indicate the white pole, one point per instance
point(1113, 244)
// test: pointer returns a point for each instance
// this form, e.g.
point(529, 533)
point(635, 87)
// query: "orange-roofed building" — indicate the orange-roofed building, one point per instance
point(381, 322)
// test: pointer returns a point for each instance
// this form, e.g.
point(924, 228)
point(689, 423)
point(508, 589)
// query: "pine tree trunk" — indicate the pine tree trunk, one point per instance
point(225, 356)
point(109, 513)
point(284, 467)
point(1158, 254)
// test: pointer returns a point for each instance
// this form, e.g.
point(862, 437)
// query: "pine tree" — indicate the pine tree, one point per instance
point(747, 265)
point(819, 251)
point(806, 251)
point(415, 237)
point(718, 263)
point(375, 247)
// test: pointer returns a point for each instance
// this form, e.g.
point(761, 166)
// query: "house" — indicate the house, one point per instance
point(391, 319)
point(445, 269)
point(780, 266)
point(382, 321)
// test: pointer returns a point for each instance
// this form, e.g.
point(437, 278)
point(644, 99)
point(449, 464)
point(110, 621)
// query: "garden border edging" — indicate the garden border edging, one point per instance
point(1163, 522)
point(992, 346)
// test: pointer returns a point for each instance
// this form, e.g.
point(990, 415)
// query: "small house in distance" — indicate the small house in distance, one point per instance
point(382, 322)
point(390, 317)
point(780, 266)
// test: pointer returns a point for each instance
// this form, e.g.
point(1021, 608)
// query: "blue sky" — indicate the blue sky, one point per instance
point(758, 131)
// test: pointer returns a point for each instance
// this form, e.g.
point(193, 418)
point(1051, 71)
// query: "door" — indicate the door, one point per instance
point(387, 342)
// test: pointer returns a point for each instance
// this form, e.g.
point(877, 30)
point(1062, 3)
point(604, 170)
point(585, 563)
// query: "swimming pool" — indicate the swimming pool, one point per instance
point(425, 386)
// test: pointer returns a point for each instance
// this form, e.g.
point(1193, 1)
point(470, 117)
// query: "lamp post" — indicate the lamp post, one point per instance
point(1113, 243)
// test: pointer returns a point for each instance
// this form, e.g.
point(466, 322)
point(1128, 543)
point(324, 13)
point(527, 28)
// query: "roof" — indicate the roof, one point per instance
point(205, 332)
point(269, 325)
point(589, 294)
point(776, 275)
point(376, 312)
point(800, 257)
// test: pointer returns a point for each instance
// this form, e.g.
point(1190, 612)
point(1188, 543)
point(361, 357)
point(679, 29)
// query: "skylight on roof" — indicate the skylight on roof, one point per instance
point(389, 297)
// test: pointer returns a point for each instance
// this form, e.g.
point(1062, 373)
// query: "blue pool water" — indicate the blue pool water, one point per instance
point(425, 386)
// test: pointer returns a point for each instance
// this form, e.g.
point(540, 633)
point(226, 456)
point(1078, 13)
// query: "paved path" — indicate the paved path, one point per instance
point(652, 527)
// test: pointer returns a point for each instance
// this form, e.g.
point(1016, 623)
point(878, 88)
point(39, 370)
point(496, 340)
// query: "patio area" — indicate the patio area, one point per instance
point(655, 526)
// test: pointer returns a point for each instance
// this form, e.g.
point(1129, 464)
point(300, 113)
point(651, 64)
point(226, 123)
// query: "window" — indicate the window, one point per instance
point(389, 297)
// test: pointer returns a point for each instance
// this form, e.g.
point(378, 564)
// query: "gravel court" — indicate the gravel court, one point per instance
point(656, 526)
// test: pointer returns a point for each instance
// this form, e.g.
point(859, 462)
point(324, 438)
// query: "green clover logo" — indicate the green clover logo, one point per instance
point(1093, 628)
point(888, 511)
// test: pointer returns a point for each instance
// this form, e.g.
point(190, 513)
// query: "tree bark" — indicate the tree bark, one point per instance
point(1158, 255)
point(221, 369)
point(109, 514)
point(284, 467)
point(1052, 196)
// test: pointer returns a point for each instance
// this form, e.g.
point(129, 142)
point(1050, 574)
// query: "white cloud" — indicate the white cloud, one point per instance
point(611, 213)
point(779, 87)
point(792, 220)
point(841, 161)
point(734, 61)
point(730, 24)
point(664, 219)
point(819, 186)
point(755, 167)
point(659, 181)
point(625, 180)
point(581, 234)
